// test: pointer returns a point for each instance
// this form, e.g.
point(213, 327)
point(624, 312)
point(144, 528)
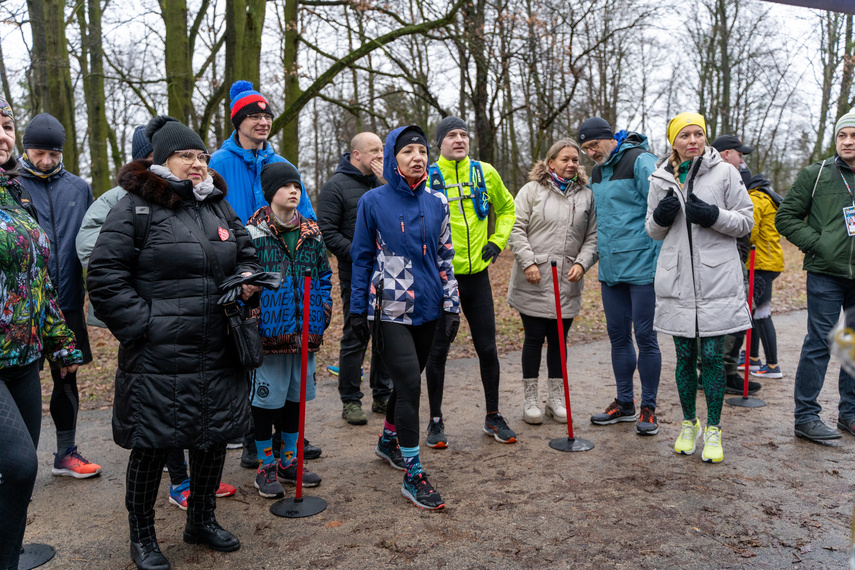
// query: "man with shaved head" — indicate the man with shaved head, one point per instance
point(358, 171)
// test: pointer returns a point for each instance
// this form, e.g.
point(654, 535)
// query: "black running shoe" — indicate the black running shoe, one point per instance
point(498, 428)
point(647, 424)
point(421, 492)
point(288, 474)
point(391, 452)
point(436, 434)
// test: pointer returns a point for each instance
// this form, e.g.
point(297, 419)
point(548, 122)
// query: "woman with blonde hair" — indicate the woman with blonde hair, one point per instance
point(555, 220)
point(698, 206)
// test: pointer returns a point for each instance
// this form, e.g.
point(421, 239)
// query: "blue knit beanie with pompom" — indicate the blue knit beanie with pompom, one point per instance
point(246, 101)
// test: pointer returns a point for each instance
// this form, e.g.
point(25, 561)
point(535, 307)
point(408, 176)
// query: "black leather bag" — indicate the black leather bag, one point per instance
point(243, 330)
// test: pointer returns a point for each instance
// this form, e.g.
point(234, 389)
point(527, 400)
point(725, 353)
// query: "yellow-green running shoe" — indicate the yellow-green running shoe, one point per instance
point(713, 452)
point(689, 434)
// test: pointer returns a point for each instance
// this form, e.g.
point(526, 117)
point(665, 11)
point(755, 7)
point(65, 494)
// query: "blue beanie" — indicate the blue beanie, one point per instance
point(140, 145)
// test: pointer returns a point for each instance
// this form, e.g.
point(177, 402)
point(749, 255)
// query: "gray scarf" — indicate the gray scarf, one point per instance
point(200, 191)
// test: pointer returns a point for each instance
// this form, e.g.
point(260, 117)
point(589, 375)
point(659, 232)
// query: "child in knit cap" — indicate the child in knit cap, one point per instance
point(289, 243)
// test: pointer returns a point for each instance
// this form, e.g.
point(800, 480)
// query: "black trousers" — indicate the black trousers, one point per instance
point(476, 302)
point(405, 353)
point(20, 422)
point(350, 357)
point(536, 330)
point(145, 467)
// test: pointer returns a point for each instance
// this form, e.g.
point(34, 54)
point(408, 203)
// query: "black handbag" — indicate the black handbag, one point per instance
point(243, 330)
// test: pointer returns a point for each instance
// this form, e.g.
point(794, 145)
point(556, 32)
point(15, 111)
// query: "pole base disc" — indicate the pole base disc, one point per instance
point(746, 402)
point(34, 555)
point(567, 444)
point(294, 509)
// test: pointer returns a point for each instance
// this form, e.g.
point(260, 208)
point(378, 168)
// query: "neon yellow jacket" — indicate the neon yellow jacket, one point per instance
point(468, 233)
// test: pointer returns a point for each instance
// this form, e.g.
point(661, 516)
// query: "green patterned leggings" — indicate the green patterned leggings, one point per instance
point(712, 375)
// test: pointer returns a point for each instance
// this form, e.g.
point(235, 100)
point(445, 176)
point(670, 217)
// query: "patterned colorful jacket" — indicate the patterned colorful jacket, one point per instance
point(280, 312)
point(31, 322)
point(403, 237)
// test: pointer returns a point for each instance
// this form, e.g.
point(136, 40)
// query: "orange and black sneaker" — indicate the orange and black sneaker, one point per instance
point(72, 464)
point(647, 424)
point(616, 412)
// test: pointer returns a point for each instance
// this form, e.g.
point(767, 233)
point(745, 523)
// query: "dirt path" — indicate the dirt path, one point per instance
point(629, 503)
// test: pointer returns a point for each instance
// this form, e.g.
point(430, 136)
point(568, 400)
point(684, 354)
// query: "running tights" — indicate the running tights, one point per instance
point(709, 350)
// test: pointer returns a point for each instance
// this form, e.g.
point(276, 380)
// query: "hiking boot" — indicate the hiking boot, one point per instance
point(816, 431)
point(288, 474)
point(616, 412)
point(497, 427)
point(436, 434)
point(713, 452)
point(555, 400)
point(391, 452)
point(267, 484)
point(421, 492)
point(72, 464)
point(249, 457)
point(379, 406)
point(147, 555)
point(688, 439)
point(531, 411)
point(353, 414)
point(178, 494)
point(310, 451)
point(767, 371)
point(647, 424)
point(212, 535)
point(734, 384)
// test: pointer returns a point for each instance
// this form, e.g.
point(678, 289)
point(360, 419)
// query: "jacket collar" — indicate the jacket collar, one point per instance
point(443, 162)
point(263, 220)
point(249, 157)
point(345, 167)
point(710, 158)
point(136, 178)
point(540, 174)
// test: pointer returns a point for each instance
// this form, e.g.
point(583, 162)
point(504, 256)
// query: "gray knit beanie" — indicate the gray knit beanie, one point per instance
point(167, 135)
point(447, 125)
point(847, 120)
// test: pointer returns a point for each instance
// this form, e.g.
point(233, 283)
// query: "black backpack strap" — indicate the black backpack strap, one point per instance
point(142, 222)
point(23, 198)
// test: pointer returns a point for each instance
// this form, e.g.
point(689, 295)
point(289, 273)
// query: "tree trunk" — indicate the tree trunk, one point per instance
point(178, 61)
point(244, 24)
point(290, 129)
point(93, 88)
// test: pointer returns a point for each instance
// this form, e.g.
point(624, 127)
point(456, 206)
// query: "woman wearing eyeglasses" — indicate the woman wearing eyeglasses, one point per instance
point(179, 383)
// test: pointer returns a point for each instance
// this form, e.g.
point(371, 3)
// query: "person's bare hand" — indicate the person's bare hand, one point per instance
point(576, 272)
point(377, 169)
point(68, 370)
point(247, 291)
point(532, 274)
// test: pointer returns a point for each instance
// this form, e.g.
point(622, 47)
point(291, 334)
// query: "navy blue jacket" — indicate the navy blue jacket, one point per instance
point(61, 201)
point(403, 237)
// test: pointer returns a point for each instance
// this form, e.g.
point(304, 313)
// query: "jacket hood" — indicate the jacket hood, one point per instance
point(710, 158)
point(632, 140)
point(390, 164)
point(345, 167)
point(136, 178)
point(249, 157)
point(540, 174)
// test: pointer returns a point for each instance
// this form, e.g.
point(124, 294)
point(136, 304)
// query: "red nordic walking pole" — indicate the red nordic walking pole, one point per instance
point(301, 506)
point(745, 401)
point(570, 443)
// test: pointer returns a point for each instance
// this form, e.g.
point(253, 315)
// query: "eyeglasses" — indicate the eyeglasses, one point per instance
point(189, 158)
point(258, 117)
point(590, 145)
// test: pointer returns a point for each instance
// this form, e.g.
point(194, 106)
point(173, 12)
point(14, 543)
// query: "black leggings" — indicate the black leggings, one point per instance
point(145, 468)
point(476, 302)
point(20, 417)
point(64, 400)
point(405, 353)
point(536, 330)
point(286, 419)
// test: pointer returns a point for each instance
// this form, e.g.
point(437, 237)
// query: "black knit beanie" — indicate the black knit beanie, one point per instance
point(168, 135)
point(593, 129)
point(140, 145)
point(276, 175)
point(410, 135)
point(447, 125)
point(45, 132)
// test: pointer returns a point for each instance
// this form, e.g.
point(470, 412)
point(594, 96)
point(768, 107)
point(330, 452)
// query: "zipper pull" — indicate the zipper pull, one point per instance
point(424, 249)
point(402, 225)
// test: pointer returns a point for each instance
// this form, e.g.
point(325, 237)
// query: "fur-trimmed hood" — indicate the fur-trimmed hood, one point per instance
point(136, 178)
point(540, 174)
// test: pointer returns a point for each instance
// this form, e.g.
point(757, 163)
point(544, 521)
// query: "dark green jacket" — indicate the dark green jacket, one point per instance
point(813, 219)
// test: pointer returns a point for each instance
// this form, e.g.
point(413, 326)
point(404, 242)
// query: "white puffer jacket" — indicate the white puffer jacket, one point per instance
point(698, 282)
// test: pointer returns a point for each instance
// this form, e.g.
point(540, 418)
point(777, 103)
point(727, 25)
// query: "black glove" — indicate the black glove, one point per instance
point(359, 325)
point(699, 212)
point(490, 252)
point(667, 210)
point(452, 323)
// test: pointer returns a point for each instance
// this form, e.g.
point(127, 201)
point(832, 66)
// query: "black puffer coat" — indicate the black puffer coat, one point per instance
point(179, 384)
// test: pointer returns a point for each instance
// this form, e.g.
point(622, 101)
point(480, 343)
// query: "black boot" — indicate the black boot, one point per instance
point(147, 556)
point(212, 535)
point(310, 451)
point(735, 383)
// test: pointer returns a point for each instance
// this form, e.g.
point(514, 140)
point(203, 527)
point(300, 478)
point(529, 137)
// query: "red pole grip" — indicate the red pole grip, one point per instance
point(562, 348)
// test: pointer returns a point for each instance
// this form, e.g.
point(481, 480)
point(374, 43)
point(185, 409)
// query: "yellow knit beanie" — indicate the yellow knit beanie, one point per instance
point(683, 120)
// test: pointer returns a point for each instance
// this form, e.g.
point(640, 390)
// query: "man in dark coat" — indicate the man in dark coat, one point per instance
point(358, 171)
point(61, 200)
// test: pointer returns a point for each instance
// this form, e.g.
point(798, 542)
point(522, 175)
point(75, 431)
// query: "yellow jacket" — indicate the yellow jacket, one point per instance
point(768, 255)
